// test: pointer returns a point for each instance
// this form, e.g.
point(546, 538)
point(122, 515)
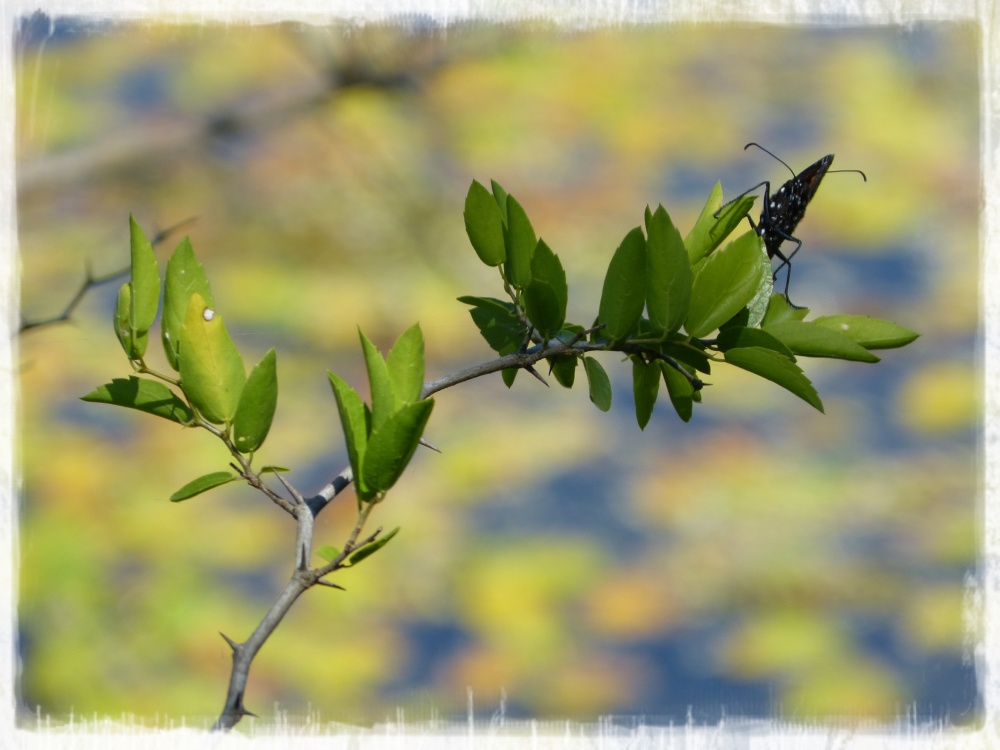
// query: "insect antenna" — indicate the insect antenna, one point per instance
point(768, 152)
point(831, 171)
point(863, 175)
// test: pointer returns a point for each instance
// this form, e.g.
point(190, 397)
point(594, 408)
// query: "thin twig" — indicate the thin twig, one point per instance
point(695, 382)
point(90, 281)
point(253, 479)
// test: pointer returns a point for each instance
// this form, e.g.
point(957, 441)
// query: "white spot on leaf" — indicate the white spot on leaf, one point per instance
point(208, 314)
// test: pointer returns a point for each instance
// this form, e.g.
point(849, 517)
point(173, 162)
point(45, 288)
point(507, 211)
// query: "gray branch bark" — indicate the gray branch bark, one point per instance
point(303, 577)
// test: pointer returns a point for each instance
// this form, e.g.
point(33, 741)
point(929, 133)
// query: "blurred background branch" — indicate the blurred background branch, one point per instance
point(90, 281)
point(155, 140)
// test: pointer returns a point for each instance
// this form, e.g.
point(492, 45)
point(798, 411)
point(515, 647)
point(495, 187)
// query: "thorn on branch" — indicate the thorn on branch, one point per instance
point(232, 644)
point(296, 495)
point(527, 340)
point(241, 709)
point(331, 584)
point(534, 372)
point(426, 444)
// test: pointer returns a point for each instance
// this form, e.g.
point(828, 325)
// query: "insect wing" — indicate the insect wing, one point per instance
point(787, 206)
point(811, 177)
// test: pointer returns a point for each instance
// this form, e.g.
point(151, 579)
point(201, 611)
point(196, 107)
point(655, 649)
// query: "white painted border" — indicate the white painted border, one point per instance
point(102, 735)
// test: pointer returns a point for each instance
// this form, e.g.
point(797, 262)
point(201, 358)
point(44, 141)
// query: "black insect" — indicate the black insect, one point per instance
point(783, 210)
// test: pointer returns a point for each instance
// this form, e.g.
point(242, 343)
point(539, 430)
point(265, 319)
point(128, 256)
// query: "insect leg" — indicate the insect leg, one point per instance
point(786, 260)
point(766, 185)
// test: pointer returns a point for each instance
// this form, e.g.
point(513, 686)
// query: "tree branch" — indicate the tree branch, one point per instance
point(244, 653)
point(523, 360)
point(305, 511)
point(302, 579)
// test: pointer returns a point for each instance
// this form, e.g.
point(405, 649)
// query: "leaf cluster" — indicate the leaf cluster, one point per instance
point(672, 306)
point(382, 438)
point(211, 389)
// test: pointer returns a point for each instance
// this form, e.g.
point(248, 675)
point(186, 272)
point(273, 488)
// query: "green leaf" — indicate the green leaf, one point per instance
point(392, 445)
point(185, 276)
point(328, 553)
point(811, 340)
point(624, 292)
point(484, 225)
point(508, 376)
point(600, 385)
point(546, 296)
point(212, 372)
point(356, 424)
point(689, 355)
point(778, 310)
point(491, 303)
point(564, 370)
point(668, 274)
point(709, 232)
point(758, 306)
point(150, 396)
point(497, 322)
point(740, 320)
point(258, 402)
point(273, 469)
point(520, 242)
point(680, 390)
point(740, 336)
point(203, 484)
point(405, 362)
point(382, 393)
point(871, 333)
point(133, 342)
point(500, 195)
point(372, 547)
point(645, 387)
point(778, 369)
point(726, 282)
point(145, 280)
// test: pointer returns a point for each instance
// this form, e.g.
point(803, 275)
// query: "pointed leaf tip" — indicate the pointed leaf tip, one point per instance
point(203, 484)
point(546, 296)
point(520, 242)
point(599, 383)
point(257, 405)
point(623, 295)
point(484, 225)
point(405, 363)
